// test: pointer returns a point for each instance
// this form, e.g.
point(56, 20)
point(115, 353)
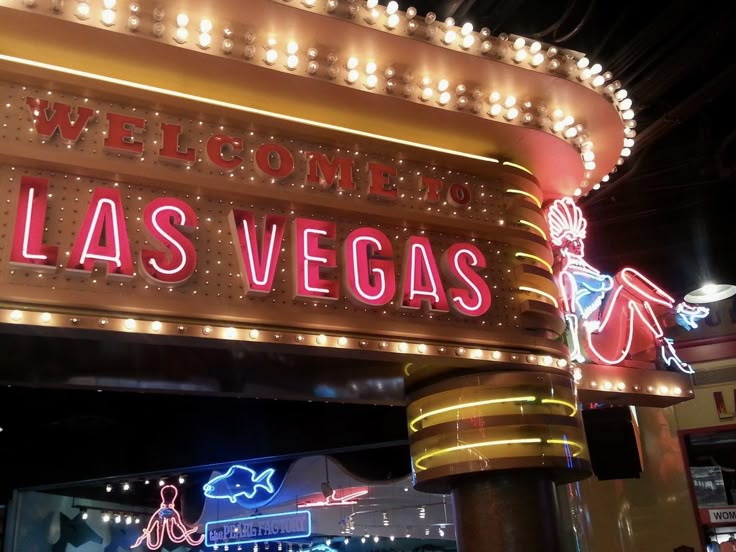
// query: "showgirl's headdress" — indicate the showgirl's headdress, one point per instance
point(566, 221)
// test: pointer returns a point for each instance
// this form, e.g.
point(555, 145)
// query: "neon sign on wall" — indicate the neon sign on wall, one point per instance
point(362, 265)
point(611, 318)
point(339, 497)
point(241, 481)
point(166, 522)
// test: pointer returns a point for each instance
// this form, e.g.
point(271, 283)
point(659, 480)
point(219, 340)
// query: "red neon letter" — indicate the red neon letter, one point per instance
point(381, 183)
point(311, 258)
point(370, 275)
point(28, 247)
point(175, 265)
point(220, 143)
point(121, 130)
point(421, 279)
point(283, 162)
point(69, 130)
point(432, 187)
point(170, 135)
point(323, 172)
point(257, 263)
point(474, 299)
point(103, 237)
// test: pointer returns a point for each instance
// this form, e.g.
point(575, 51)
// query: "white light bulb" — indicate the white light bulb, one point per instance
point(495, 110)
point(598, 80)
point(625, 152)
point(411, 12)
point(442, 85)
point(312, 53)
point(181, 35)
point(109, 4)
point(621, 94)
point(535, 47)
point(427, 93)
point(449, 37)
point(205, 39)
point(468, 41)
point(130, 324)
point(352, 76)
point(371, 81)
point(108, 17)
point(571, 132)
point(370, 67)
point(520, 56)
point(393, 21)
point(389, 72)
point(271, 56)
point(627, 115)
point(134, 22)
point(182, 20)
point(589, 165)
point(466, 29)
point(292, 47)
point(588, 156)
point(292, 62)
point(625, 104)
point(537, 59)
point(519, 43)
point(583, 62)
point(82, 11)
point(444, 98)
point(596, 69)
point(205, 26)
point(494, 97)
point(510, 101)
point(370, 4)
point(511, 114)
point(156, 326)
point(392, 7)
point(352, 62)
point(312, 67)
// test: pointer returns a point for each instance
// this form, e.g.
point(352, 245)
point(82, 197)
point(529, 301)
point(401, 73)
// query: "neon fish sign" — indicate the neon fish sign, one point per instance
point(611, 318)
point(240, 481)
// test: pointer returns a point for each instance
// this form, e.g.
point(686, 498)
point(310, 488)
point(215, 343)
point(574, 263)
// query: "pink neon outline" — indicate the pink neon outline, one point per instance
point(360, 264)
point(332, 500)
point(169, 524)
point(483, 296)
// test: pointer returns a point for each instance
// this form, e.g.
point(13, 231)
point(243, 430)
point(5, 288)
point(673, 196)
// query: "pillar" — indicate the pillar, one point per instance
point(498, 441)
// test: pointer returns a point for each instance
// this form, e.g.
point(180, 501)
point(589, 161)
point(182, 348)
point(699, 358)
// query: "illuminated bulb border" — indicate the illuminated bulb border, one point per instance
point(249, 333)
point(503, 48)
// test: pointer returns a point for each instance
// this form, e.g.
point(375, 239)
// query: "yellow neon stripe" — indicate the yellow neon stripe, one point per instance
point(542, 293)
point(434, 453)
point(572, 407)
point(580, 447)
point(521, 254)
point(241, 108)
point(537, 228)
point(534, 198)
point(468, 405)
point(517, 166)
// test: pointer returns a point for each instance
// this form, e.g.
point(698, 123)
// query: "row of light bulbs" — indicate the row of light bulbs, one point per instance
point(18, 316)
point(126, 486)
point(620, 386)
point(519, 50)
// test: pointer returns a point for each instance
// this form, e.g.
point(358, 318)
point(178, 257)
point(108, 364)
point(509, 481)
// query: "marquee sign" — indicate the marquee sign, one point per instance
point(182, 217)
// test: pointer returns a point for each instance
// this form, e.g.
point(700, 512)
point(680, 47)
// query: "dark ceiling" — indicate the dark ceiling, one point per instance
point(666, 210)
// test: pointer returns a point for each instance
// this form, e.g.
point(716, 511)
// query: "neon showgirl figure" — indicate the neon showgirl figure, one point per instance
point(166, 521)
point(611, 318)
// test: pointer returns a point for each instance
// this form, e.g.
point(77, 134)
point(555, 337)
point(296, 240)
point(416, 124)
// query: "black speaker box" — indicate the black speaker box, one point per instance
point(613, 442)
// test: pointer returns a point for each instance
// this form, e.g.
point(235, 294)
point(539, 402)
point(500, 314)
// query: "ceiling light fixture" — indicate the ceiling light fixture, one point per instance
point(711, 293)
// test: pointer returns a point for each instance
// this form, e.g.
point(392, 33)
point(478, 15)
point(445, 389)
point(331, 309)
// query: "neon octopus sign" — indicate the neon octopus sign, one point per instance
point(166, 521)
point(610, 319)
